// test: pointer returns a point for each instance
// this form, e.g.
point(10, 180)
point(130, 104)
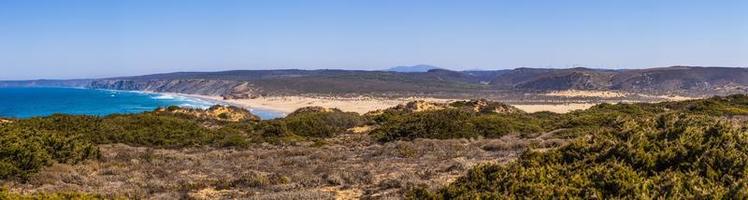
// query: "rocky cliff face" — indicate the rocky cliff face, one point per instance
point(683, 80)
point(229, 89)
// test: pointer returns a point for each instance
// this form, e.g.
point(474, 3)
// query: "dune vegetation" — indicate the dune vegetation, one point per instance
point(687, 149)
point(682, 150)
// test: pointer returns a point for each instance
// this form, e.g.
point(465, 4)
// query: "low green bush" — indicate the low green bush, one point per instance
point(457, 123)
point(321, 124)
point(462, 123)
point(25, 150)
point(671, 156)
point(439, 124)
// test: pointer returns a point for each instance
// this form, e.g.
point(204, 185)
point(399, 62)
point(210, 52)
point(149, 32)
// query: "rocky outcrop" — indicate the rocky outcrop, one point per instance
point(411, 107)
point(217, 112)
point(485, 106)
point(574, 80)
point(420, 106)
point(2, 121)
point(683, 80)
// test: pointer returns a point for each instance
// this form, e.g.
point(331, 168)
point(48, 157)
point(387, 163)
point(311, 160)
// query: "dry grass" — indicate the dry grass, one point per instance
point(350, 166)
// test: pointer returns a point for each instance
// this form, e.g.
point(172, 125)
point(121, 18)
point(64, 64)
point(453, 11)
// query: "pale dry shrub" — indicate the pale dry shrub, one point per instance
point(349, 162)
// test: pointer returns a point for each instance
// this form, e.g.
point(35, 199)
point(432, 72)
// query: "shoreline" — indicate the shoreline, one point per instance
point(280, 106)
point(289, 104)
point(361, 105)
point(263, 112)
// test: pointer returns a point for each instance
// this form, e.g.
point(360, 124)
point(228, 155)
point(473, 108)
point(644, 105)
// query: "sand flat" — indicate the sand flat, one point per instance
point(556, 108)
point(588, 93)
point(288, 104)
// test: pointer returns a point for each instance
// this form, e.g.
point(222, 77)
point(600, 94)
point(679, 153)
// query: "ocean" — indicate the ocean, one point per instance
point(33, 102)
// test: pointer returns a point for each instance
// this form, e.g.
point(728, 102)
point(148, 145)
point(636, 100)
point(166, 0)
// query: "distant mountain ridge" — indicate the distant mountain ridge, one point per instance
point(47, 83)
point(679, 80)
point(414, 68)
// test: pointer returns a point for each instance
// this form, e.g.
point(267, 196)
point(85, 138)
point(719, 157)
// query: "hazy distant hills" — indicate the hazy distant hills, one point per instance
point(670, 80)
point(409, 81)
point(415, 68)
point(47, 83)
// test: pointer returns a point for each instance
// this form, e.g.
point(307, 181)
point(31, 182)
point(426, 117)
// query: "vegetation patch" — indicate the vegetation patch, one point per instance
point(480, 119)
point(671, 156)
point(24, 150)
point(27, 145)
point(5, 194)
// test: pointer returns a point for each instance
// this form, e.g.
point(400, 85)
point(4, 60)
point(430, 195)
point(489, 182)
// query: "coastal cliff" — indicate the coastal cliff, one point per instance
point(229, 89)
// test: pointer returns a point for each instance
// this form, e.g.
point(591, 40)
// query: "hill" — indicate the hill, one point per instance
point(677, 80)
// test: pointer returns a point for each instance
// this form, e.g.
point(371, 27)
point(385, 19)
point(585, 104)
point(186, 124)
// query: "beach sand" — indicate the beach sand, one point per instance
point(588, 93)
point(614, 94)
point(556, 108)
point(288, 104)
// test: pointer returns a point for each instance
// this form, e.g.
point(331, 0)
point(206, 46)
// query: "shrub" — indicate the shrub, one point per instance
point(321, 124)
point(24, 151)
point(457, 123)
point(274, 128)
point(154, 130)
point(681, 156)
point(495, 126)
point(440, 124)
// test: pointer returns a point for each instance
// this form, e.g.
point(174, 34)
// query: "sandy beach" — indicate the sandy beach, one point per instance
point(288, 104)
point(556, 108)
point(586, 93)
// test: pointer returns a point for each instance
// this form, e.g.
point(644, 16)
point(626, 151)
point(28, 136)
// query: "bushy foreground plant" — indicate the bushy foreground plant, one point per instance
point(147, 129)
point(301, 126)
point(461, 123)
point(24, 150)
point(27, 145)
point(680, 156)
point(321, 124)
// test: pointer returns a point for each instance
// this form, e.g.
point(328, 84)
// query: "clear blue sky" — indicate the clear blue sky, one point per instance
point(100, 38)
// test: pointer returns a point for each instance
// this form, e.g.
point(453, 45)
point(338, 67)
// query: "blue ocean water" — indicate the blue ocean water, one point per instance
point(31, 102)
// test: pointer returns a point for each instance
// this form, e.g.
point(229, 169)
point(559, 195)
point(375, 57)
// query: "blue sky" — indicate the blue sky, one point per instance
point(100, 38)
